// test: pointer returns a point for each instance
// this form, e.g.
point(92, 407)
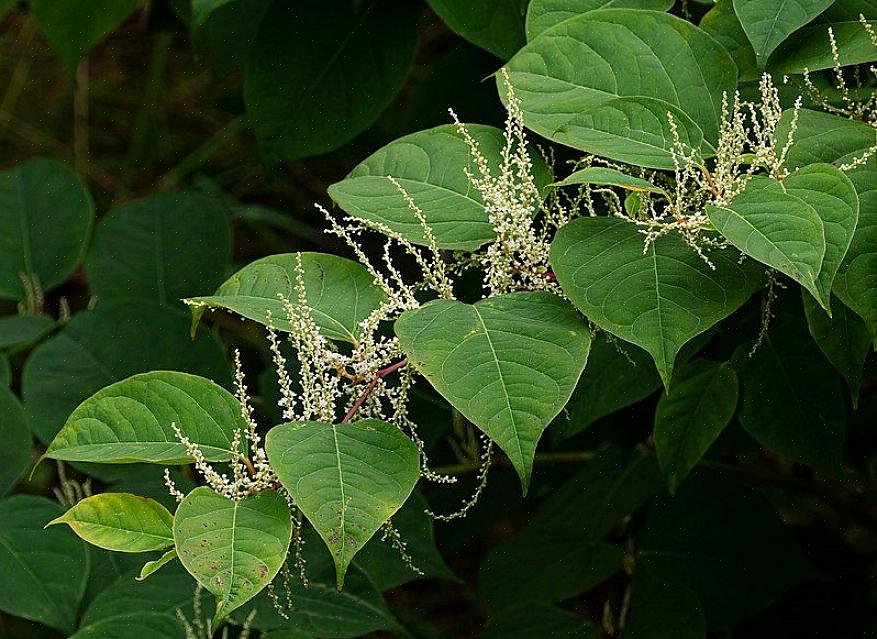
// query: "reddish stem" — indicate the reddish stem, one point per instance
point(389, 370)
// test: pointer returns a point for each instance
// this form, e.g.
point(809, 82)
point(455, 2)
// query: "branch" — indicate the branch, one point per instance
point(389, 370)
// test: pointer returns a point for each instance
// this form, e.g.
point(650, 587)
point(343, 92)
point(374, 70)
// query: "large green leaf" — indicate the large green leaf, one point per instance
point(811, 48)
point(509, 364)
point(163, 248)
point(604, 82)
point(46, 213)
point(617, 375)
point(802, 226)
point(822, 137)
point(721, 23)
point(497, 27)
point(544, 14)
point(792, 400)
point(42, 572)
point(539, 621)
point(81, 359)
point(131, 421)
point(23, 330)
point(768, 23)
point(340, 293)
point(320, 72)
point(689, 419)
point(431, 166)
point(74, 27)
point(15, 451)
point(233, 548)
point(348, 479)
point(659, 609)
point(659, 299)
point(121, 522)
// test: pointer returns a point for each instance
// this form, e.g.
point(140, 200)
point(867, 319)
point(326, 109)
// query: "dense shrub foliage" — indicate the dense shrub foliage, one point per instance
point(444, 319)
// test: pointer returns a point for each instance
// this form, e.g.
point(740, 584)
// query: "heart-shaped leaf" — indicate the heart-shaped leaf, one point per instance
point(348, 479)
point(801, 226)
point(431, 166)
point(121, 522)
point(608, 81)
point(233, 548)
point(509, 364)
point(340, 293)
point(544, 14)
point(131, 421)
point(659, 299)
point(768, 23)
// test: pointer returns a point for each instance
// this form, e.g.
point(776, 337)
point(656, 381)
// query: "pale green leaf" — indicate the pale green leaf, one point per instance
point(431, 166)
point(121, 522)
point(497, 27)
point(768, 23)
point(689, 419)
point(131, 421)
point(340, 293)
point(233, 548)
point(509, 364)
point(150, 567)
point(657, 300)
point(608, 82)
point(600, 175)
point(46, 214)
point(544, 14)
point(348, 479)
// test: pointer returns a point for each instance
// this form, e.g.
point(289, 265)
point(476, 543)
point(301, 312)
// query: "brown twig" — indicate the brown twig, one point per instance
point(389, 370)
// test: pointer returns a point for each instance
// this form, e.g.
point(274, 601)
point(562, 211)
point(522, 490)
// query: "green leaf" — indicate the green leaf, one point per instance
point(310, 89)
point(822, 137)
point(605, 81)
point(722, 24)
point(131, 421)
point(605, 176)
point(233, 548)
point(689, 419)
point(431, 166)
point(539, 621)
point(497, 27)
point(348, 479)
point(120, 522)
point(74, 27)
point(340, 293)
point(843, 339)
point(509, 364)
point(726, 543)
point(617, 376)
point(80, 360)
point(811, 48)
point(657, 300)
point(46, 214)
point(23, 330)
point(768, 23)
point(42, 572)
point(801, 226)
point(162, 248)
point(544, 14)
point(224, 31)
point(150, 567)
point(5, 371)
point(15, 452)
point(659, 609)
point(146, 610)
point(792, 401)
point(201, 10)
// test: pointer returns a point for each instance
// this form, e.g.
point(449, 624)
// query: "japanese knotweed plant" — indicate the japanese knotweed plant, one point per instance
point(686, 199)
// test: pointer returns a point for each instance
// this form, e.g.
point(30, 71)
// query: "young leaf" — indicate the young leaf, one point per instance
point(602, 175)
point(658, 300)
point(348, 479)
point(162, 248)
point(46, 214)
point(768, 23)
point(150, 567)
point(689, 419)
point(843, 339)
point(544, 14)
point(792, 401)
point(120, 522)
point(319, 72)
point(801, 226)
point(42, 572)
point(509, 364)
point(810, 49)
point(131, 421)
point(431, 166)
point(15, 451)
point(604, 82)
point(340, 293)
point(233, 548)
point(495, 27)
